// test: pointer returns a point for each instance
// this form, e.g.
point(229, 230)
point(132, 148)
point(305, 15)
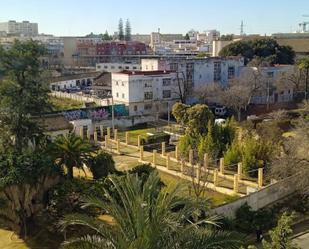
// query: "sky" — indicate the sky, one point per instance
point(80, 17)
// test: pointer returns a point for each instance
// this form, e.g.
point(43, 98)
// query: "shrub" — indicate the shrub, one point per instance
point(143, 171)
point(156, 138)
point(101, 165)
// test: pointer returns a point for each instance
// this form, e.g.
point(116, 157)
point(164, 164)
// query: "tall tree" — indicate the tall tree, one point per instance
point(106, 36)
point(120, 30)
point(23, 93)
point(70, 151)
point(147, 216)
point(128, 31)
point(265, 49)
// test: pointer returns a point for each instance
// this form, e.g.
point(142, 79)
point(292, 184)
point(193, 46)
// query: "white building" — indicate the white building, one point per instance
point(24, 28)
point(273, 89)
point(117, 67)
point(198, 72)
point(151, 92)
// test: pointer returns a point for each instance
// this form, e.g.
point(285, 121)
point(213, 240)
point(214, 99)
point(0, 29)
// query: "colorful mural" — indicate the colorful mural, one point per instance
point(97, 113)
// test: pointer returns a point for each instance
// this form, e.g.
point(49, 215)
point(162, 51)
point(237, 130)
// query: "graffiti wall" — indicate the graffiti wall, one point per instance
point(96, 114)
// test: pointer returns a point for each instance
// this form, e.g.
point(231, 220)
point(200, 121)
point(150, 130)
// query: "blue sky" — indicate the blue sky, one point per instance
point(80, 17)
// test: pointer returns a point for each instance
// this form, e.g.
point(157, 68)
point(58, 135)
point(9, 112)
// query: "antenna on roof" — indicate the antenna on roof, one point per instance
point(159, 30)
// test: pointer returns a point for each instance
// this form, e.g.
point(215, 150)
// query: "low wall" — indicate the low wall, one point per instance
point(259, 199)
point(121, 122)
point(81, 98)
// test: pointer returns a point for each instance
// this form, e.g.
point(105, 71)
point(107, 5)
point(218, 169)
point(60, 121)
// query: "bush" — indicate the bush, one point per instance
point(156, 138)
point(101, 165)
point(143, 171)
point(247, 220)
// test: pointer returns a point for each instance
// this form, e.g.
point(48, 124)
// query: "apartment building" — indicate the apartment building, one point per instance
point(145, 92)
point(197, 72)
point(24, 28)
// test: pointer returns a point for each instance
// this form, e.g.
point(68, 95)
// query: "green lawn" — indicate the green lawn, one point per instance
point(65, 104)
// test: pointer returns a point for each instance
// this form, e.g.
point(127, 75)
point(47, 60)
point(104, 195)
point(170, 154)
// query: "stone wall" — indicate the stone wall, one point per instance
point(259, 199)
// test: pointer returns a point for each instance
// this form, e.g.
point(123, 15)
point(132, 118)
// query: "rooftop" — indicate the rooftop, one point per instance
point(157, 72)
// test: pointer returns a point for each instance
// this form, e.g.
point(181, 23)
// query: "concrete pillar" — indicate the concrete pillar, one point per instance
point(138, 140)
point(260, 177)
point(216, 177)
point(101, 131)
point(118, 146)
point(108, 132)
point(81, 132)
point(198, 171)
point(154, 157)
point(168, 161)
point(141, 155)
point(236, 183)
point(106, 141)
point(115, 134)
point(182, 166)
point(163, 149)
point(222, 165)
point(205, 160)
point(95, 137)
point(239, 170)
point(127, 137)
point(176, 153)
point(88, 134)
point(191, 157)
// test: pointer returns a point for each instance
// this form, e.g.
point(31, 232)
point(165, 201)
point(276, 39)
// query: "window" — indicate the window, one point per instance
point(148, 106)
point(122, 83)
point(134, 68)
point(123, 95)
point(166, 93)
point(116, 83)
point(135, 108)
point(105, 67)
point(127, 67)
point(148, 84)
point(231, 72)
point(120, 67)
point(270, 74)
point(166, 82)
point(112, 67)
point(217, 70)
point(117, 94)
point(148, 95)
point(99, 67)
point(174, 66)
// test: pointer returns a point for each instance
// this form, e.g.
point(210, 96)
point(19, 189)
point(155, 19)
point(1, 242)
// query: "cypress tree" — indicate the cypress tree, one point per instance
point(120, 30)
point(128, 31)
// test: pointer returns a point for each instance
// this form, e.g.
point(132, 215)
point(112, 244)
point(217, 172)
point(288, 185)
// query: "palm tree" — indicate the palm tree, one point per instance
point(70, 151)
point(149, 217)
point(303, 65)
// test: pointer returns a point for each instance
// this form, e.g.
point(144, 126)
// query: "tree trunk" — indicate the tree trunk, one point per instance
point(306, 82)
point(70, 172)
point(239, 115)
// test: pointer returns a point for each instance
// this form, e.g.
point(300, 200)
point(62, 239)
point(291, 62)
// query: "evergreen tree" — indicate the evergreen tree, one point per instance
point(120, 30)
point(280, 236)
point(106, 36)
point(128, 31)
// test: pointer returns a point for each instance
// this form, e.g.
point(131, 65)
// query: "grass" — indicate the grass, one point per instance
point(65, 104)
point(215, 198)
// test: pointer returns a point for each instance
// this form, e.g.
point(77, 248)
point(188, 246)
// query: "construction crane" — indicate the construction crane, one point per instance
point(303, 25)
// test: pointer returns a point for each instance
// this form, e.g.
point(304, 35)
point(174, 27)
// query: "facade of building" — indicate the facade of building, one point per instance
point(145, 93)
point(273, 90)
point(298, 41)
point(72, 82)
point(117, 67)
point(24, 28)
point(198, 72)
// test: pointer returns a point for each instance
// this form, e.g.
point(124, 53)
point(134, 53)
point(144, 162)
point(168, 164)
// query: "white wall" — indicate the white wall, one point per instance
point(134, 88)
